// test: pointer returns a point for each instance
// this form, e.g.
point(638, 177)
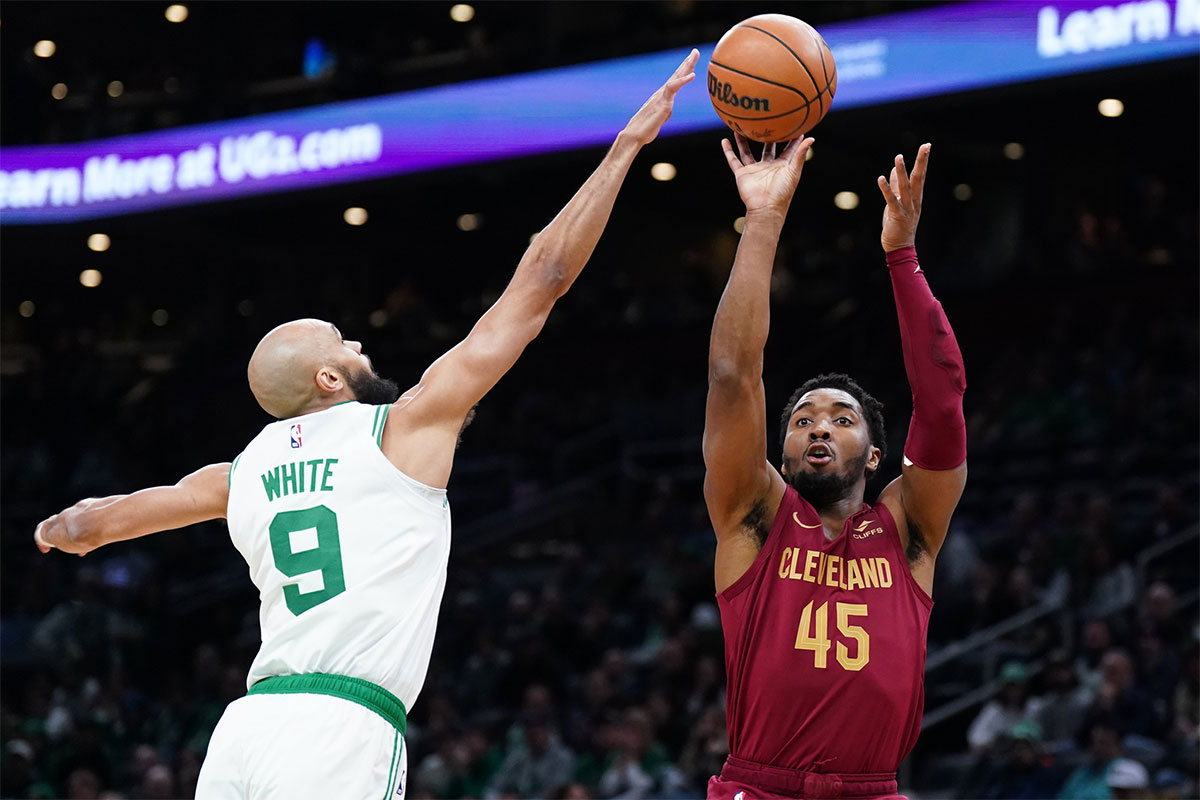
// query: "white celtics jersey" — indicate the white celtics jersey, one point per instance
point(348, 553)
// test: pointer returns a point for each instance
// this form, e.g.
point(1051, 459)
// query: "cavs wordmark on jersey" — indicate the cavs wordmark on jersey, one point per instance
point(348, 553)
point(825, 646)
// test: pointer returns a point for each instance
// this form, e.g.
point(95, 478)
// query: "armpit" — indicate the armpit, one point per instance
point(917, 546)
point(756, 524)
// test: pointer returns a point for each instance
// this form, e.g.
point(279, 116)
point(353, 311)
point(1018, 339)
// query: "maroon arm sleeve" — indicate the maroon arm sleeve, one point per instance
point(937, 435)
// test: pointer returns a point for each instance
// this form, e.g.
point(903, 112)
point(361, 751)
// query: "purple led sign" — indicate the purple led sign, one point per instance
point(884, 59)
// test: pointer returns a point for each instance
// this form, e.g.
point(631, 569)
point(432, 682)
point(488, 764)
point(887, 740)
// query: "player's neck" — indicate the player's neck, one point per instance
point(324, 401)
point(833, 517)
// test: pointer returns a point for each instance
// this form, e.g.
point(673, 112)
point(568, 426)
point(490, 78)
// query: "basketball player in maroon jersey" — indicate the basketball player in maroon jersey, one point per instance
point(825, 599)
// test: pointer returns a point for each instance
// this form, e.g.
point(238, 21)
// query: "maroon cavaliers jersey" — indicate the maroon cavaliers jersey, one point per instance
point(825, 646)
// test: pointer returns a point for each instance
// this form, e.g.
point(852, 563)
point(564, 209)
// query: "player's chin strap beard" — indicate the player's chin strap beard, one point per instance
point(371, 389)
point(825, 490)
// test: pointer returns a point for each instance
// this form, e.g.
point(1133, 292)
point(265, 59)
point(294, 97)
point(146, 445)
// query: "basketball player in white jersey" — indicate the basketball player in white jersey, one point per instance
point(340, 510)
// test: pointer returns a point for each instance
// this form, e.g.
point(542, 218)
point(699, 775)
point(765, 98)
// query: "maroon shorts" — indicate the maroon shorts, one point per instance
point(747, 780)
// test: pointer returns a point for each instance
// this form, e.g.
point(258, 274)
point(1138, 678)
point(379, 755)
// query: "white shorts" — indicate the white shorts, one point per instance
point(293, 746)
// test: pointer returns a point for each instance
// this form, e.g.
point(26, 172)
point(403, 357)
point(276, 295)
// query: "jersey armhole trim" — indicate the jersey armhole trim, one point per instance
point(380, 425)
point(375, 421)
point(233, 466)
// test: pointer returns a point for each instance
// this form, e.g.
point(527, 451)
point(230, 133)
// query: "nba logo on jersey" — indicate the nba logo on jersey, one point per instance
point(740, 796)
point(295, 433)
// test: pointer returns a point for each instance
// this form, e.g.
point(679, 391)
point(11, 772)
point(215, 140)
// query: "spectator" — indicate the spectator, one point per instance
point(1157, 612)
point(536, 765)
point(1063, 706)
point(1113, 584)
point(637, 764)
point(1026, 772)
point(83, 785)
point(1089, 781)
point(1119, 701)
point(1002, 713)
point(706, 749)
point(1128, 780)
point(1096, 641)
point(1157, 670)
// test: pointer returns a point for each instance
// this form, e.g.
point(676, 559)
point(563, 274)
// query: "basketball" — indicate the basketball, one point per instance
point(771, 78)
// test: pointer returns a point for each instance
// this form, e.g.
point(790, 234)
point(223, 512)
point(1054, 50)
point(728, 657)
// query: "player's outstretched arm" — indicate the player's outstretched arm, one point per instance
point(935, 454)
point(741, 489)
point(98, 521)
point(434, 409)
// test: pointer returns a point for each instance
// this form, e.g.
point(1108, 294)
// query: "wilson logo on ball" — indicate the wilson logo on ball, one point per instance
point(724, 93)
point(772, 78)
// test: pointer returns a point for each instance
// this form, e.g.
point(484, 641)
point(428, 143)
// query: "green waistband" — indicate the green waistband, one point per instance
point(356, 690)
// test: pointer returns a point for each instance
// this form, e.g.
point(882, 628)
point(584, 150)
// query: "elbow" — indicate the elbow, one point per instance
point(552, 279)
point(732, 372)
point(548, 271)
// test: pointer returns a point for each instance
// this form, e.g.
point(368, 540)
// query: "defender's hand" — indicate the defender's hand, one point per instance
point(903, 197)
point(52, 533)
point(767, 184)
point(649, 119)
point(41, 543)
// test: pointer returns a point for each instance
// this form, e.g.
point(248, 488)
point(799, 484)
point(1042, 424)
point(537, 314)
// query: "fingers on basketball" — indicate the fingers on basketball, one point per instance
point(730, 157)
point(743, 146)
point(796, 150)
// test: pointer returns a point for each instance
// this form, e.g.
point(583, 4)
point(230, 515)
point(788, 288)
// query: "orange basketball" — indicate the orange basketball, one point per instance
point(771, 78)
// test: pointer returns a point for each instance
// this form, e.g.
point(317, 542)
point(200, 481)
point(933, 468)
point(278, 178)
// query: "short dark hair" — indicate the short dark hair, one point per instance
point(872, 408)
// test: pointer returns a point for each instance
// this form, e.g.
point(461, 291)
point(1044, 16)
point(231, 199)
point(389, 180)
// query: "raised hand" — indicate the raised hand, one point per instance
point(766, 185)
point(50, 535)
point(649, 119)
point(903, 196)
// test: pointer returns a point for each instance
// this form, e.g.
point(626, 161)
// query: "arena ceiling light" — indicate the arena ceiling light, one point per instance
point(26, 308)
point(461, 12)
point(846, 201)
point(1014, 151)
point(1111, 107)
point(468, 222)
point(962, 192)
point(739, 224)
point(58, 91)
point(99, 242)
point(663, 171)
point(44, 48)
point(116, 88)
point(808, 156)
point(176, 13)
point(160, 317)
point(90, 278)
point(355, 216)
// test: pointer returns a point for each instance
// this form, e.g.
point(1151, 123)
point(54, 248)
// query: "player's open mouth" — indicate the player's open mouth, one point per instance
point(818, 454)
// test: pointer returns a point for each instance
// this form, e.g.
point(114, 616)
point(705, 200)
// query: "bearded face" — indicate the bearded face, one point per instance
point(371, 389)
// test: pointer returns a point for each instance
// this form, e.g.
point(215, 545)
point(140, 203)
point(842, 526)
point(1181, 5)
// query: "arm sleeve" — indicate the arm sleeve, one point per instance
point(937, 434)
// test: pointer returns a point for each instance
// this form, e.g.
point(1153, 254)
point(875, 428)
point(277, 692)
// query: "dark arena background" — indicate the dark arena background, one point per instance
point(1059, 233)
